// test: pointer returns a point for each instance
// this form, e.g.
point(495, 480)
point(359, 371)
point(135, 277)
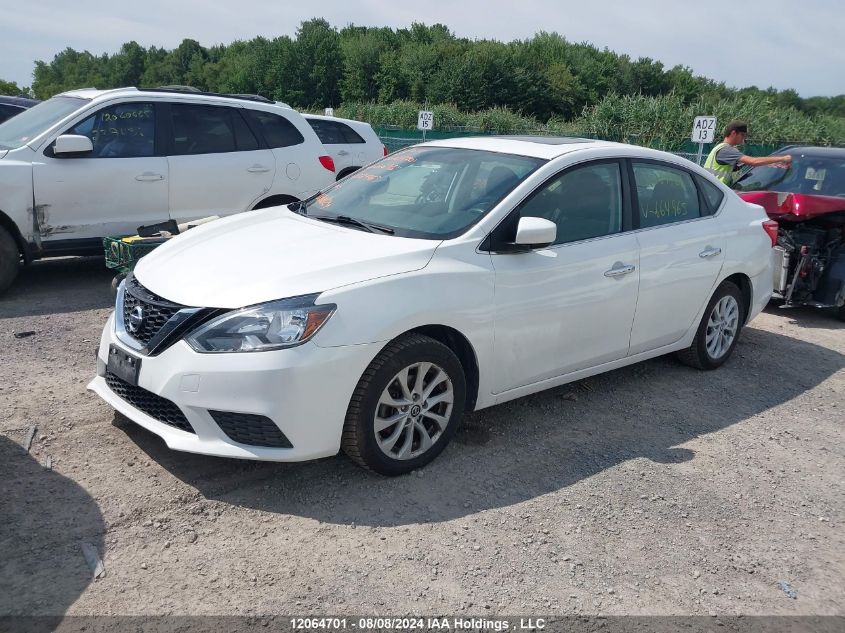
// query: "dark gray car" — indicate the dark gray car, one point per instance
point(10, 106)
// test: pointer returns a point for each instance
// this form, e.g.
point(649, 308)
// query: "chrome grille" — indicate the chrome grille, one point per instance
point(155, 310)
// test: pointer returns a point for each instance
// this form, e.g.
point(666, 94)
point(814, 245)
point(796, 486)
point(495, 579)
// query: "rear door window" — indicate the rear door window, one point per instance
point(349, 134)
point(713, 196)
point(665, 195)
point(327, 132)
point(202, 129)
point(277, 130)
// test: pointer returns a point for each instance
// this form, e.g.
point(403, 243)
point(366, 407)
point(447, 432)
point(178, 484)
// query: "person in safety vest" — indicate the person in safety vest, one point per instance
point(725, 159)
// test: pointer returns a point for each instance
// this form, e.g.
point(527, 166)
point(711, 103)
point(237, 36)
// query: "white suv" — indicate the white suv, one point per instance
point(351, 144)
point(93, 163)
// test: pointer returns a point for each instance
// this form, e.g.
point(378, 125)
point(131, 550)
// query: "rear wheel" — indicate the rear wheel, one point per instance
point(407, 406)
point(349, 170)
point(274, 201)
point(10, 259)
point(840, 313)
point(718, 331)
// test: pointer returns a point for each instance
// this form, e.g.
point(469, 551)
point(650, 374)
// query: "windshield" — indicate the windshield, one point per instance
point(22, 128)
point(425, 192)
point(821, 176)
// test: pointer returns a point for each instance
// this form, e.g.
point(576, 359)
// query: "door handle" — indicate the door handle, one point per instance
point(258, 169)
point(620, 270)
point(709, 252)
point(149, 176)
point(343, 152)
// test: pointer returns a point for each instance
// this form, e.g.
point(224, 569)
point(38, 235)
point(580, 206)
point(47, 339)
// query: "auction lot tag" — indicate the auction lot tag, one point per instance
point(703, 129)
point(425, 120)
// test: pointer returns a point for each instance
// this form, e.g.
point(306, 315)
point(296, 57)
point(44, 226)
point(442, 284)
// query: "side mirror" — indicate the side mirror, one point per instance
point(72, 144)
point(535, 232)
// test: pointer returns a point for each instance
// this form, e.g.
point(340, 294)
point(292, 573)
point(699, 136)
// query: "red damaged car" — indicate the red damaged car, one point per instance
point(807, 200)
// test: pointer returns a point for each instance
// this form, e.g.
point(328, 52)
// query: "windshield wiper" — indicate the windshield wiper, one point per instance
point(345, 219)
point(301, 206)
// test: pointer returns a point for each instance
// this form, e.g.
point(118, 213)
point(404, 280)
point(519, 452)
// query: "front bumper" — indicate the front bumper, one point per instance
point(304, 390)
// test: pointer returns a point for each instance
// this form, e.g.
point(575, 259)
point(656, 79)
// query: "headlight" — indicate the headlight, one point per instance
point(261, 328)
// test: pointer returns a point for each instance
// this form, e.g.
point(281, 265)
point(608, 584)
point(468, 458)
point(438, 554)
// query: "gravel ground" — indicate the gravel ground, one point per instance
point(654, 489)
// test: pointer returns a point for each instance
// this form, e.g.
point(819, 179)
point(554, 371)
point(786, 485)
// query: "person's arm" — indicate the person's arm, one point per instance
point(756, 161)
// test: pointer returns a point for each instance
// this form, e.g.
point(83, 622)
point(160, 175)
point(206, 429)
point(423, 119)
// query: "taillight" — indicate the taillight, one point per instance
point(771, 229)
point(327, 162)
point(385, 149)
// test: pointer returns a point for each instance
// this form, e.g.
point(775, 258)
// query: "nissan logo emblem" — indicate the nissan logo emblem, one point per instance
point(136, 319)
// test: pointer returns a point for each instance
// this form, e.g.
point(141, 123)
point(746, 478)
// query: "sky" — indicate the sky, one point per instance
point(782, 43)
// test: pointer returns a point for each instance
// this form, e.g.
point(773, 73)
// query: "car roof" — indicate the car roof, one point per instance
point(809, 150)
point(94, 94)
point(546, 147)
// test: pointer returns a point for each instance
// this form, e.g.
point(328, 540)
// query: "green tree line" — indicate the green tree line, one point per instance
point(545, 78)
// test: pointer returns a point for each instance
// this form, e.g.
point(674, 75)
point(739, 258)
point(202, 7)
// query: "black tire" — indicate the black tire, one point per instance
point(697, 354)
point(115, 282)
point(274, 201)
point(344, 173)
point(10, 260)
point(840, 313)
point(359, 435)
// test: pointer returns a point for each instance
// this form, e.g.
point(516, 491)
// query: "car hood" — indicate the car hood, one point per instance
point(272, 254)
point(794, 206)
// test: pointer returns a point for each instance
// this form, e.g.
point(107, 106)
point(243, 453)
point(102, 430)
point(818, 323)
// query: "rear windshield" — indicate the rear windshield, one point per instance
point(821, 176)
point(21, 129)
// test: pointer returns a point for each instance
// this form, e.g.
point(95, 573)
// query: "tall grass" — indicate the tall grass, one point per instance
point(665, 122)
point(403, 114)
point(662, 122)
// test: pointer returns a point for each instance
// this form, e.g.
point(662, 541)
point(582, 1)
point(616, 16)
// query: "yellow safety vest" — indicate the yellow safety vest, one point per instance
point(725, 173)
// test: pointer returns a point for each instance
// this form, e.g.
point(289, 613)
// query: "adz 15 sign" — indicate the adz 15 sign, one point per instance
point(425, 120)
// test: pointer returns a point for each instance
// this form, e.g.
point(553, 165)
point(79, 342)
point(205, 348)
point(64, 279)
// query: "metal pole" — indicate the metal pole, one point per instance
point(700, 152)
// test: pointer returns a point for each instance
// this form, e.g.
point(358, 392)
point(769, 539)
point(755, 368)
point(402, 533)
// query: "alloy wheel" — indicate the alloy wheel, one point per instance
point(722, 327)
point(413, 411)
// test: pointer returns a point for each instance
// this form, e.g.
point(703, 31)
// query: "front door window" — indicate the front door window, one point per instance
point(124, 130)
point(584, 203)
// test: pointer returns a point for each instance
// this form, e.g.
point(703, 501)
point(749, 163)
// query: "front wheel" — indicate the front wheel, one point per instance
point(406, 407)
point(718, 331)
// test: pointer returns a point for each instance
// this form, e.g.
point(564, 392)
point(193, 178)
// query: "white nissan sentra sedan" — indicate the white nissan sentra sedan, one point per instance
point(447, 277)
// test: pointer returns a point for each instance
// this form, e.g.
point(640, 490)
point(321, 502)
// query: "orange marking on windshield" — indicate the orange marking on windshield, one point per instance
point(324, 201)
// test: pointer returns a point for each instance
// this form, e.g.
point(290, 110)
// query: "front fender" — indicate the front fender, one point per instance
point(456, 290)
point(16, 197)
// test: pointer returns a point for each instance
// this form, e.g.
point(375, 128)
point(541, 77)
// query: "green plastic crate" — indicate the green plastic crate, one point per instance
point(122, 256)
